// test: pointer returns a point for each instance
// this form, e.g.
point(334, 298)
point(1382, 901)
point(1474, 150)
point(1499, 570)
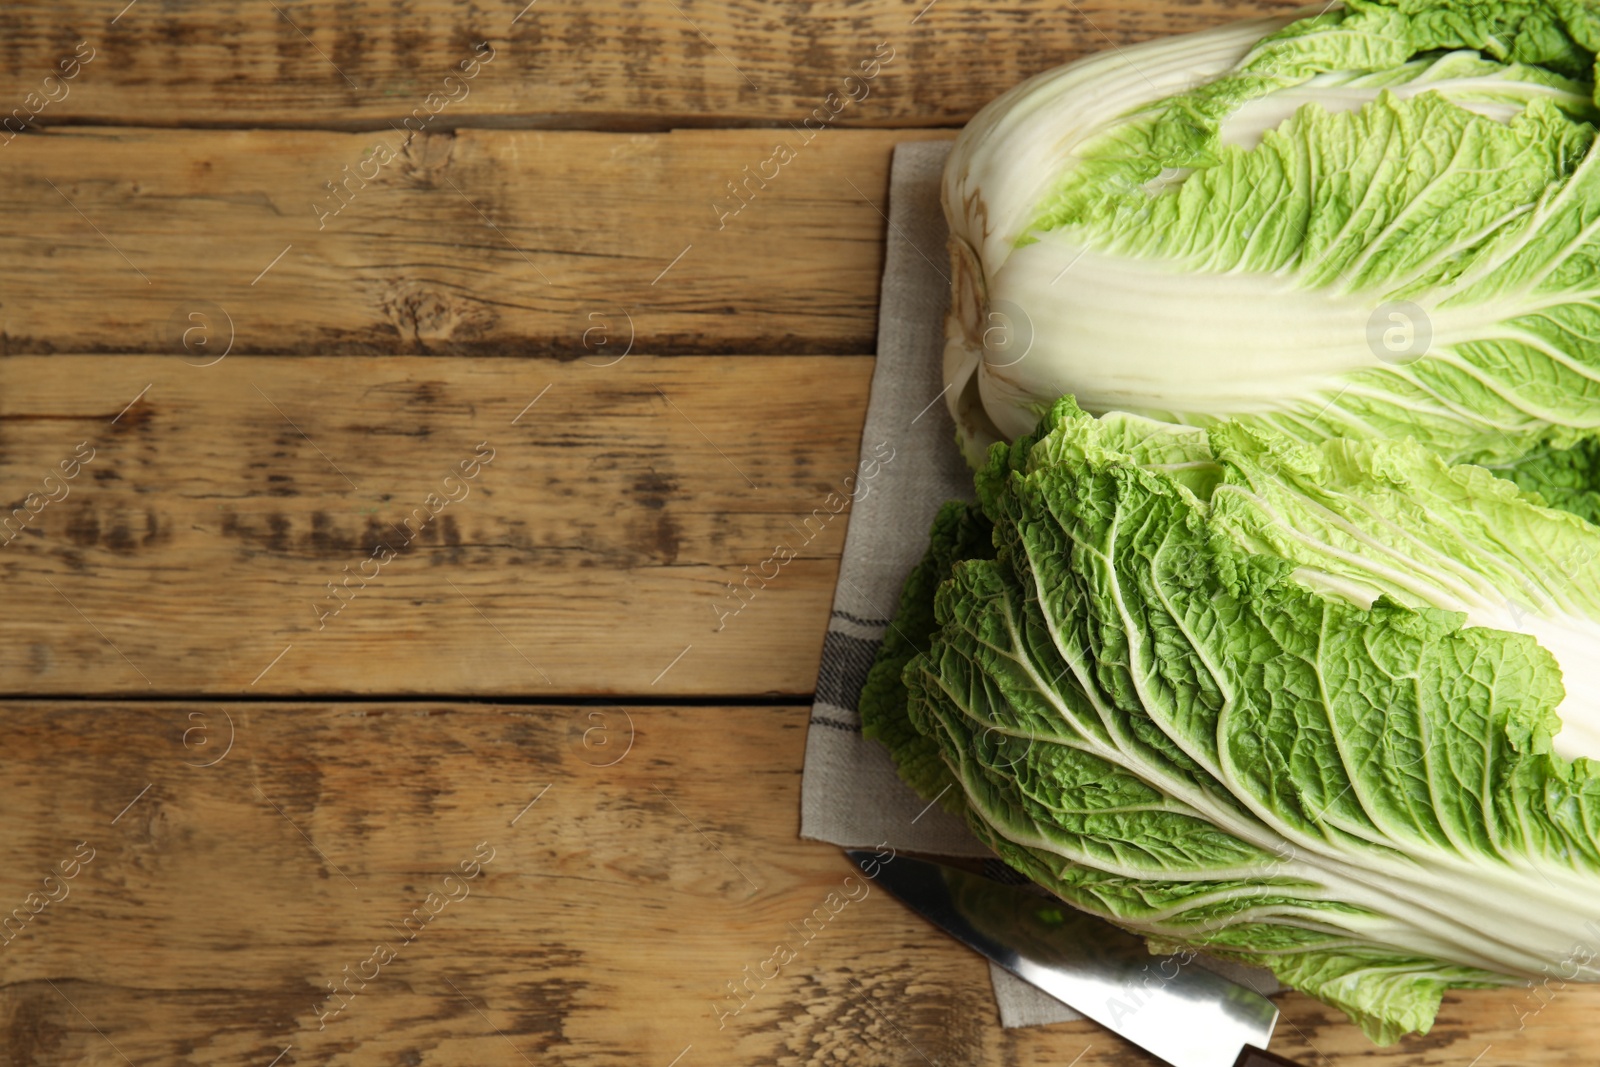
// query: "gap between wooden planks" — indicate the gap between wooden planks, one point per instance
point(590, 554)
point(562, 63)
point(641, 859)
point(478, 243)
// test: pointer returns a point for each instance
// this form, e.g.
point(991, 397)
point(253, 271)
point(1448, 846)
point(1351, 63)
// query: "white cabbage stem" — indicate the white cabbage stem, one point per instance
point(1011, 155)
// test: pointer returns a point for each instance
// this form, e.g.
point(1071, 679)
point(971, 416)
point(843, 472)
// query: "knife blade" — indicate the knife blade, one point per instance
point(1179, 1012)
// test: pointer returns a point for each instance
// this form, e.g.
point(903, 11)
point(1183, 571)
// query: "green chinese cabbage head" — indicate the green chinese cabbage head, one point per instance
point(1325, 708)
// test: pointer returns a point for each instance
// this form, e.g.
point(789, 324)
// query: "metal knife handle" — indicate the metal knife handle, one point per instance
point(1254, 1057)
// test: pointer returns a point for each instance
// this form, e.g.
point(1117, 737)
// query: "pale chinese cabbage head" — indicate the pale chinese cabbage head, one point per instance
point(1377, 221)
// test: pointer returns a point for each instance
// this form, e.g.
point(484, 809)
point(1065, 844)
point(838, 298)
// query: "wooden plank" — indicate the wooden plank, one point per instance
point(218, 904)
point(479, 243)
point(566, 63)
point(218, 505)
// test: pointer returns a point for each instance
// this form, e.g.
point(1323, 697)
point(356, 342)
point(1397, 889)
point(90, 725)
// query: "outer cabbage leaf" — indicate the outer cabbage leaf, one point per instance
point(1568, 478)
point(960, 531)
point(1176, 731)
point(1363, 519)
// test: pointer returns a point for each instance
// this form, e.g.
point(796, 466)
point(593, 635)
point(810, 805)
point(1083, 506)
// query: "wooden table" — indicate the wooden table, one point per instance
point(390, 392)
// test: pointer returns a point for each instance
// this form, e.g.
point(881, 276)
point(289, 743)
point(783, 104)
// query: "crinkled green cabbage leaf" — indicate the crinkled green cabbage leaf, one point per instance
point(1209, 685)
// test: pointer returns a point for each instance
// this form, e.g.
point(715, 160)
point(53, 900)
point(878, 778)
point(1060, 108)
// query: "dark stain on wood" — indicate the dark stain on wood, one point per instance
point(652, 489)
point(83, 528)
point(542, 1005)
point(33, 1036)
point(120, 538)
point(656, 538)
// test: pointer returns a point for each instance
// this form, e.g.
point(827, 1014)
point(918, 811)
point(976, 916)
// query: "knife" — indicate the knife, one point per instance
point(1179, 1012)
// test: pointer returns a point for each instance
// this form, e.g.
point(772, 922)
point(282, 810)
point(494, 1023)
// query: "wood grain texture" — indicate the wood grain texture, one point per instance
point(220, 903)
point(596, 545)
point(176, 205)
point(478, 243)
point(563, 63)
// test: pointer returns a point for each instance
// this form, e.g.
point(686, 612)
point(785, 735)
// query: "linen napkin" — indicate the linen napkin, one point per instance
point(850, 794)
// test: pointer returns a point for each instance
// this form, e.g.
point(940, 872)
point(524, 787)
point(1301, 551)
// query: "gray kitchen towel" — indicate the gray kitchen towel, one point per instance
point(850, 794)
